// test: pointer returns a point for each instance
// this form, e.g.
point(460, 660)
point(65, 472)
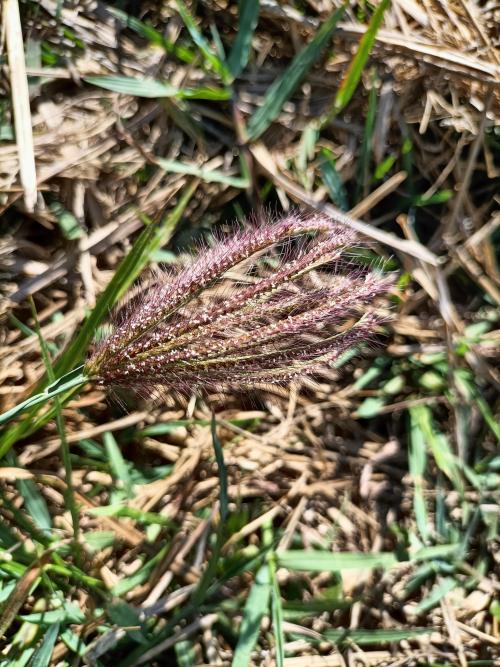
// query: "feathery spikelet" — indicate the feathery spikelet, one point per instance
point(242, 315)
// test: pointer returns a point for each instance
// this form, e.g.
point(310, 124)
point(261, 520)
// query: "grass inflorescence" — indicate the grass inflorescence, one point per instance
point(200, 328)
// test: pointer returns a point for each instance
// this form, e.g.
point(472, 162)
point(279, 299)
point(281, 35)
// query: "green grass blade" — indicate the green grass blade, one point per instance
point(436, 552)
point(69, 494)
point(208, 175)
point(370, 407)
point(118, 465)
point(21, 521)
point(363, 167)
point(99, 539)
point(465, 383)
point(21, 325)
point(223, 483)
point(384, 167)
point(281, 90)
point(205, 93)
point(439, 197)
point(306, 153)
point(247, 563)
point(74, 379)
point(74, 642)
point(417, 459)
point(353, 74)
point(68, 612)
point(180, 114)
point(324, 561)
point(128, 85)
point(159, 234)
point(211, 569)
point(35, 505)
point(74, 573)
point(373, 637)
point(69, 225)
point(119, 510)
point(250, 564)
point(440, 447)
point(255, 608)
point(139, 577)
point(151, 88)
point(185, 653)
point(211, 58)
point(248, 16)
point(33, 420)
point(439, 590)
point(332, 180)
point(153, 36)
point(277, 618)
point(127, 272)
point(41, 657)
point(276, 605)
point(6, 590)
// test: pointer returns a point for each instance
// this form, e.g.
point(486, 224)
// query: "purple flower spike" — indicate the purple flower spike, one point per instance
point(265, 305)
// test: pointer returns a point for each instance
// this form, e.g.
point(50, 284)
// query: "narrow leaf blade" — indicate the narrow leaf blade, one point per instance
point(353, 74)
point(129, 85)
point(41, 657)
point(285, 85)
point(248, 13)
point(208, 175)
point(211, 58)
point(256, 606)
point(324, 561)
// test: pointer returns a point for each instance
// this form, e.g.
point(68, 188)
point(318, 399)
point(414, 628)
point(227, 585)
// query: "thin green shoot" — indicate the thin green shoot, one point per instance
point(69, 494)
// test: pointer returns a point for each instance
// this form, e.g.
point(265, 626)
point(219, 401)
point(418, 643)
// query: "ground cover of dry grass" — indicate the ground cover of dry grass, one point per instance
point(349, 521)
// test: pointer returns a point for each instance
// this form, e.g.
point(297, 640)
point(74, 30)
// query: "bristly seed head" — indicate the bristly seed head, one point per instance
point(264, 305)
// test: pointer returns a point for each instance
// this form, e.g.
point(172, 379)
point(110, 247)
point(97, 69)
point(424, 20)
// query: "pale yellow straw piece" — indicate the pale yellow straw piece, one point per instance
point(20, 101)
